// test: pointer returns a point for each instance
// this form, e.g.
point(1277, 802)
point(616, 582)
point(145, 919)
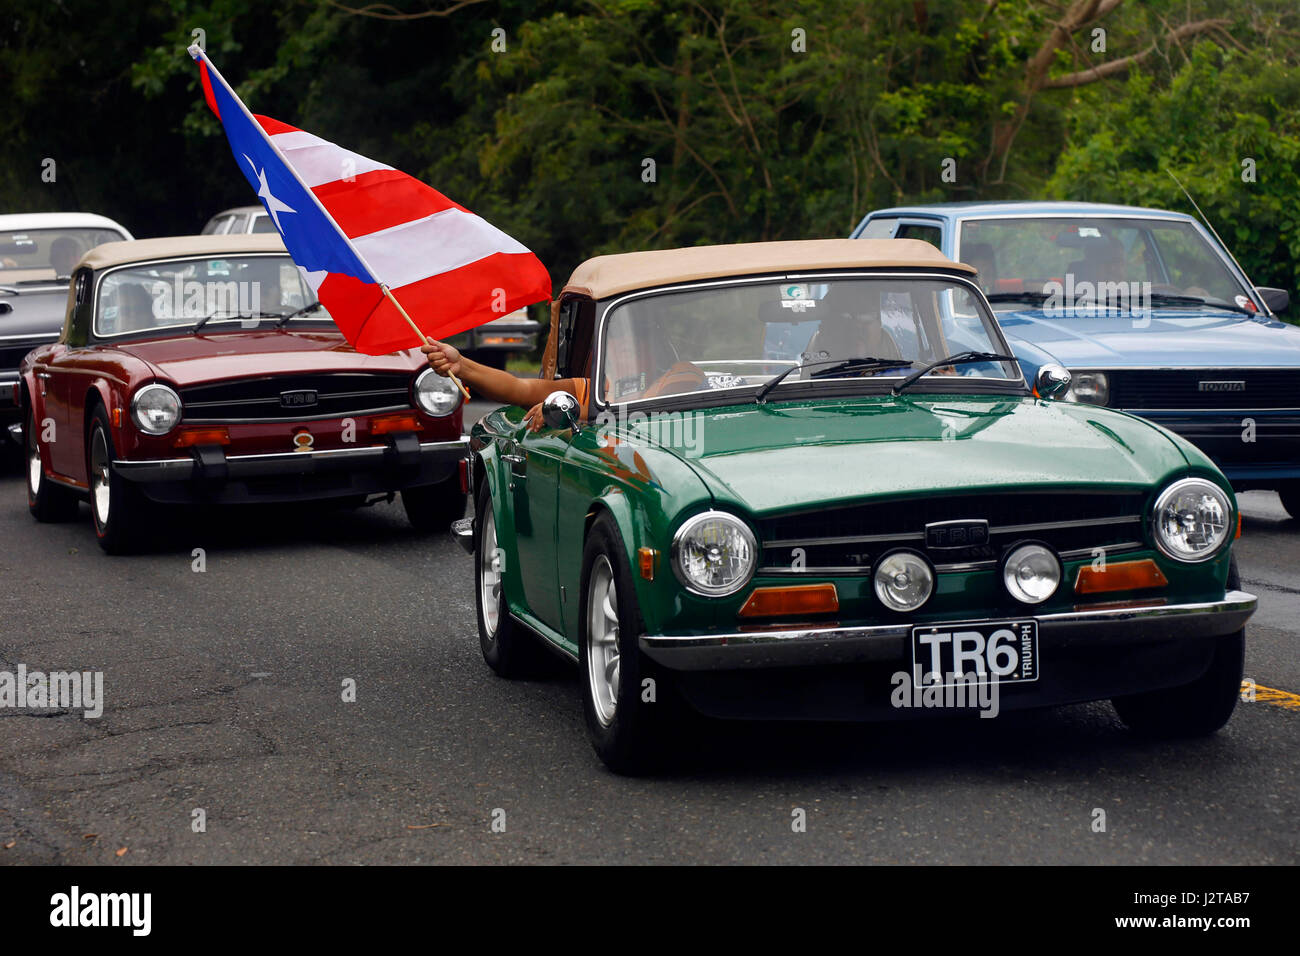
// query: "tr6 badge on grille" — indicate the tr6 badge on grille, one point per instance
point(957, 534)
point(298, 398)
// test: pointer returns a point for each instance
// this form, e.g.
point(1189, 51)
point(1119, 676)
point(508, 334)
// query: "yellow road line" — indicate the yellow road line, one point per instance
point(1269, 695)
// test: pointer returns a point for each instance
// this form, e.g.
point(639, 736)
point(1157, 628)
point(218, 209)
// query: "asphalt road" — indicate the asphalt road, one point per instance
point(224, 693)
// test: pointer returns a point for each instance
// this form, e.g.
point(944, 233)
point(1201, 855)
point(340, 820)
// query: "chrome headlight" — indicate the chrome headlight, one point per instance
point(1090, 387)
point(903, 581)
point(436, 394)
point(1190, 520)
point(156, 409)
point(714, 554)
point(1031, 573)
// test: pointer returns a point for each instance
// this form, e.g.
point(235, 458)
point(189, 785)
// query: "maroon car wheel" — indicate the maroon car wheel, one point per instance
point(118, 508)
point(46, 500)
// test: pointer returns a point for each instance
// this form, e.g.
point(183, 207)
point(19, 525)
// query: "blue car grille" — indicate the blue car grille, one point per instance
point(1205, 389)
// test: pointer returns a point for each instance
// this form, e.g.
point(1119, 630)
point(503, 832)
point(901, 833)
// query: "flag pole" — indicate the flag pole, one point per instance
point(199, 54)
point(423, 338)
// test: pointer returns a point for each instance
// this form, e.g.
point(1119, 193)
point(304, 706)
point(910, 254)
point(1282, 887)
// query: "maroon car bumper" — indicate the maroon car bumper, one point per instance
point(209, 475)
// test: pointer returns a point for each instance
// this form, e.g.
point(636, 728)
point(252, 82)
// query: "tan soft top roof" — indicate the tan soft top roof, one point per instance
point(174, 247)
point(609, 275)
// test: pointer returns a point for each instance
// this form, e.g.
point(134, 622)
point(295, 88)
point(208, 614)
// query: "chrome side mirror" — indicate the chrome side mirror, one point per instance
point(1052, 381)
point(560, 410)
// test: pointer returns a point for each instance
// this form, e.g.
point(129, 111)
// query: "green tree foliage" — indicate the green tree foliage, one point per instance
point(763, 120)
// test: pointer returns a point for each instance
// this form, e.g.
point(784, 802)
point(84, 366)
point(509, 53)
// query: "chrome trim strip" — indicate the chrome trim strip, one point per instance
point(889, 642)
point(28, 336)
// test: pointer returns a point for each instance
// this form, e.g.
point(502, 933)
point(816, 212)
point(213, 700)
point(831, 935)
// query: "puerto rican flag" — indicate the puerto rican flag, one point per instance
point(355, 226)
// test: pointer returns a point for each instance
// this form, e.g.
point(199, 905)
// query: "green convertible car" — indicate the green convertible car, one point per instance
point(807, 481)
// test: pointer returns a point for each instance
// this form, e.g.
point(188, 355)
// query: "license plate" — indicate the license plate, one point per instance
point(975, 653)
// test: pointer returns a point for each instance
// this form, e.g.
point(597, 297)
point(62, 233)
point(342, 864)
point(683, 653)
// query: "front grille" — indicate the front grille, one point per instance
point(1233, 388)
point(259, 399)
point(853, 538)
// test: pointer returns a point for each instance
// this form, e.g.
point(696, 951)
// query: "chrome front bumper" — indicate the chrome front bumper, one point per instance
point(846, 645)
point(211, 463)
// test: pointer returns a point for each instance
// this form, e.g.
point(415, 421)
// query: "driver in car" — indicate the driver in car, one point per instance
point(626, 377)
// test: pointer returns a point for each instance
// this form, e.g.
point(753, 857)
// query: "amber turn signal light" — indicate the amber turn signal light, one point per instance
point(190, 437)
point(645, 559)
point(1121, 576)
point(407, 422)
point(797, 599)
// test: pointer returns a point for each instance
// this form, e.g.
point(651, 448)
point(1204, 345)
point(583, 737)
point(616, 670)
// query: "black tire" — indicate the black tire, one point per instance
point(631, 736)
point(120, 512)
point(1290, 495)
point(1197, 709)
point(46, 501)
point(434, 507)
point(508, 647)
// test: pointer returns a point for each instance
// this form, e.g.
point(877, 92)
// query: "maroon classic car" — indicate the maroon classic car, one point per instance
point(201, 369)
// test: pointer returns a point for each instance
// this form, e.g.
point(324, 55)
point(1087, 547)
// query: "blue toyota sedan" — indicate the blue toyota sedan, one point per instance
point(1148, 311)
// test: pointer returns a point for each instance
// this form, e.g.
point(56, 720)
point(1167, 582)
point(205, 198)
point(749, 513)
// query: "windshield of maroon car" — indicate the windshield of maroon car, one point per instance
point(1060, 254)
point(741, 336)
point(244, 291)
point(55, 249)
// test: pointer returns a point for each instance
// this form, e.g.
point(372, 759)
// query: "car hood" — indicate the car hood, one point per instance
point(195, 359)
point(1177, 339)
point(777, 457)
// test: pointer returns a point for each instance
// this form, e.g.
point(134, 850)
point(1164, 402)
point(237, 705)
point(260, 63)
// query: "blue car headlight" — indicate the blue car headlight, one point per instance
point(1092, 388)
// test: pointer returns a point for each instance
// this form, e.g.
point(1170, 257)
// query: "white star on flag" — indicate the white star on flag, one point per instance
point(273, 205)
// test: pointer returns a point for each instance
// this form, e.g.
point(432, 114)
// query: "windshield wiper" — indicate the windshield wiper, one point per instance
point(227, 315)
point(1025, 296)
point(833, 365)
point(284, 319)
point(1169, 298)
point(961, 358)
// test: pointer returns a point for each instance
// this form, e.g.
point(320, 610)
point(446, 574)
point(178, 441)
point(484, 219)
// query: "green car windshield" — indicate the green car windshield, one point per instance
point(744, 335)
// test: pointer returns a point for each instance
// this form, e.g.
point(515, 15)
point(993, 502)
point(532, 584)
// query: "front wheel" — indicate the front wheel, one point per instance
point(628, 704)
point(120, 511)
point(1200, 708)
point(507, 647)
point(46, 501)
point(434, 507)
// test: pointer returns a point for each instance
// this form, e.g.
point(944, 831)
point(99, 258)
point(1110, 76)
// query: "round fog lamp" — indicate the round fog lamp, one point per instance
point(903, 581)
point(1031, 573)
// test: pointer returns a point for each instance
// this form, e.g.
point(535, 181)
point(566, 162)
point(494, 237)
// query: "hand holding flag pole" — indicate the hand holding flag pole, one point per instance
point(424, 339)
point(362, 232)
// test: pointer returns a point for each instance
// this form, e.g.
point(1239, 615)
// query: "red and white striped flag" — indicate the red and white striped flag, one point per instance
point(359, 229)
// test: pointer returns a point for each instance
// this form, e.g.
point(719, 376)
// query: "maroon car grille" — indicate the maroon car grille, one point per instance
point(1213, 388)
point(296, 397)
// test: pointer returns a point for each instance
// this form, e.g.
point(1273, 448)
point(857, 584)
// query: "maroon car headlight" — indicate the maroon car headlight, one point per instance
point(156, 409)
point(436, 394)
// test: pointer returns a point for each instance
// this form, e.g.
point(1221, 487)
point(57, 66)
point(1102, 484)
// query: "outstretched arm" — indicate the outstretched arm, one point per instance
point(494, 383)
